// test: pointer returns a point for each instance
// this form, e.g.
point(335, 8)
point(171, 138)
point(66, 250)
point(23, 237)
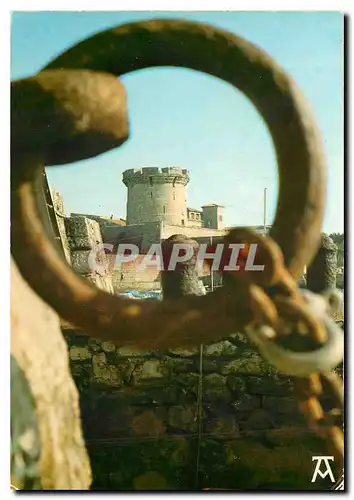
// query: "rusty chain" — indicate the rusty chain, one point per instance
point(288, 312)
point(76, 109)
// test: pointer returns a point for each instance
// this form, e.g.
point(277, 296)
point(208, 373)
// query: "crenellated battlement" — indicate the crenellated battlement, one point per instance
point(164, 174)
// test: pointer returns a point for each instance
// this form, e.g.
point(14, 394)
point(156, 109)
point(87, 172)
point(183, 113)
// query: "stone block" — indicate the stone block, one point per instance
point(223, 348)
point(259, 420)
point(180, 452)
point(252, 363)
point(214, 380)
point(209, 365)
point(163, 396)
point(103, 373)
point(147, 424)
point(103, 282)
point(246, 403)
point(83, 233)
point(182, 365)
point(223, 427)
point(79, 353)
point(215, 388)
point(280, 405)
point(239, 339)
point(95, 345)
point(108, 347)
point(269, 386)
point(184, 351)
point(183, 417)
point(236, 384)
point(150, 370)
point(188, 382)
point(131, 351)
point(81, 262)
point(150, 481)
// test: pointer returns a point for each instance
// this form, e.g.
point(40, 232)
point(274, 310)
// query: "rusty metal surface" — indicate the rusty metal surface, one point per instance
point(75, 109)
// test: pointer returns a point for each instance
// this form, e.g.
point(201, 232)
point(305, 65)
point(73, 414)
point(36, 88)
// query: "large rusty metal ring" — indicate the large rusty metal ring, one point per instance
point(89, 128)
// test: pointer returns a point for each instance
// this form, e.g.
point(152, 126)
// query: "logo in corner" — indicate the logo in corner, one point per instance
point(327, 472)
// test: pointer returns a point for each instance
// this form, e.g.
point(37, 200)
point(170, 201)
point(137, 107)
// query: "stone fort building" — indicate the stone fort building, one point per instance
point(156, 209)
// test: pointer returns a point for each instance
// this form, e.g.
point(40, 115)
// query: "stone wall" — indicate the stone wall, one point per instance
point(141, 235)
point(150, 416)
point(58, 205)
point(191, 232)
point(131, 276)
point(84, 236)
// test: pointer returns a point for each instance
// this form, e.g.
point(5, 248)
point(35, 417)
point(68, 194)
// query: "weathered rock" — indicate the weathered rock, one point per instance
point(160, 396)
point(151, 369)
point(131, 351)
point(269, 386)
point(236, 384)
point(280, 405)
point(223, 427)
point(246, 364)
point(51, 401)
point(80, 261)
point(223, 348)
point(246, 403)
point(215, 388)
point(95, 345)
point(239, 339)
point(108, 347)
point(103, 373)
point(102, 282)
point(58, 205)
point(259, 420)
point(209, 365)
point(183, 280)
point(214, 380)
point(189, 382)
point(322, 272)
point(180, 451)
point(79, 353)
point(147, 424)
point(184, 351)
point(82, 233)
point(183, 417)
point(181, 365)
point(150, 481)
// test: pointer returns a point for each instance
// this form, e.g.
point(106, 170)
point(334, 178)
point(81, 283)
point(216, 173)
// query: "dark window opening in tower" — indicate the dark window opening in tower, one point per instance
point(151, 195)
point(150, 179)
point(174, 195)
point(182, 221)
point(174, 182)
point(164, 209)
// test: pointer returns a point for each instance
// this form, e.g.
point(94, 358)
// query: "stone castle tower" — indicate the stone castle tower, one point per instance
point(156, 194)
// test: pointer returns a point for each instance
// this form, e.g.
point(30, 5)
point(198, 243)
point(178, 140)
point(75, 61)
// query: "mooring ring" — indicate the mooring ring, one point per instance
point(301, 166)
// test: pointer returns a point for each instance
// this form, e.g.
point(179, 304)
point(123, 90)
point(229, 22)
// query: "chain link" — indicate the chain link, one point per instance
point(301, 317)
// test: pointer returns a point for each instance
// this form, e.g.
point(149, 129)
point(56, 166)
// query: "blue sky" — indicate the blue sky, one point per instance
point(183, 118)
